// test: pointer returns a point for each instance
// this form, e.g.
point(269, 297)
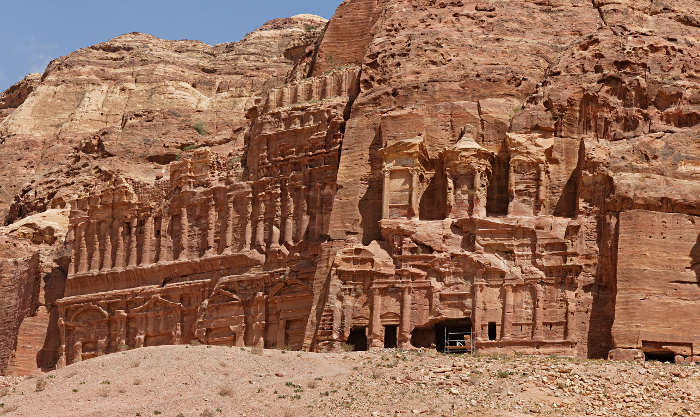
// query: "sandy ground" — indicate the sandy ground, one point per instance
point(203, 381)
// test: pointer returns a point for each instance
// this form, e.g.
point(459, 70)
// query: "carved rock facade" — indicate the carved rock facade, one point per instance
point(508, 177)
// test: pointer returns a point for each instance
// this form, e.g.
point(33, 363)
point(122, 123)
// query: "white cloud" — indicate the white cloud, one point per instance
point(39, 55)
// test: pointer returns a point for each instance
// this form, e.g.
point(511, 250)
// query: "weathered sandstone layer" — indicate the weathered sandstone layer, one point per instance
point(504, 176)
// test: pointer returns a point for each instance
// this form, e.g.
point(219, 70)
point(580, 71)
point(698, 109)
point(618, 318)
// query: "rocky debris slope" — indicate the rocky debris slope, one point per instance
point(196, 380)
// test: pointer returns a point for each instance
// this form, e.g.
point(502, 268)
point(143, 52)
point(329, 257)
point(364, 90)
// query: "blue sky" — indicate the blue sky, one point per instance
point(33, 32)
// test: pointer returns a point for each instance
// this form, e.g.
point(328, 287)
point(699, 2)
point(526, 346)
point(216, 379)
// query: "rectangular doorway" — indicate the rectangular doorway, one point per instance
point(391, 339)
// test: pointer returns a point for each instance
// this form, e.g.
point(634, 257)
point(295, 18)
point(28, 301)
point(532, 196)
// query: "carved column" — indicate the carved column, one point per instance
point(538, 312)
point(289, 218)
point(304, 217)
point(260, 224)
point(570, 315)
point(107, 261)
point(72, 236)
point(248, 239)
point(386, 194)
point(120, 262)
point(83, 263)
point(211, 228)
point(166, 239)
point(121, 316)
point(62, 347)
point(414, 193)
point(277, 221)
point(406, 299)
point(281, 333)
point(507, 324)
point(147, 241)
point(133, 243)
point(479, 195)
point(476, 306)
point(229, 227)
point(184, 231)
point(95, 259)
point(376, 323)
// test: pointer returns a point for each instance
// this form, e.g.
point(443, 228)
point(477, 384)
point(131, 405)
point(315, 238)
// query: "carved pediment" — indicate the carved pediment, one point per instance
point(158, 304)
point(88, 313)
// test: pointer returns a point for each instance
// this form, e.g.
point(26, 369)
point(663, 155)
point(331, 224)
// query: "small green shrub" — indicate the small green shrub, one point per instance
point(309, 28)
point(199, 127)
point(347, 347)
point(190, 148)
point(503, 374)
point(40, 384)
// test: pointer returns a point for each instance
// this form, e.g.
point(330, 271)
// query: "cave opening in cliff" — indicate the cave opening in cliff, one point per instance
point(661, 356)
point(453, 336)
point(391, 339)
point(358, 338)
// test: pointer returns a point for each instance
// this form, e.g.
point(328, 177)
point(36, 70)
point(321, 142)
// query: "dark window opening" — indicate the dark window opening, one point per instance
point(661, 356)
point(550, 326)
point(157, 233)
point(358, 338)
point(391, 336)
point(492, 330)
point(497, 196)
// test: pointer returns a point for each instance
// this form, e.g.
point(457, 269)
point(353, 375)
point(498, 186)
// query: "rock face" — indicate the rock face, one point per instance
point(508, 177)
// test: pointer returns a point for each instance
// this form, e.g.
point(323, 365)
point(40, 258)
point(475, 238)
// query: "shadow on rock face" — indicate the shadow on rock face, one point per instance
point(695, 260)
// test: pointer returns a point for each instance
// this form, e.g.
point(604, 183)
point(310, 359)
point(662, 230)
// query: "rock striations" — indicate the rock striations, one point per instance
point(515, 177)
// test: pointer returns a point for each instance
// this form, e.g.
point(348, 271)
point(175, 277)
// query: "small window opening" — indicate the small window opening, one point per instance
point(492, 330)
point(550, 326)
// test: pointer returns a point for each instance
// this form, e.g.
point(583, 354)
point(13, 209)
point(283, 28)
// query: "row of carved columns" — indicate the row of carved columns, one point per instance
point(376, 337)
point(298, 213)
point(508, 310)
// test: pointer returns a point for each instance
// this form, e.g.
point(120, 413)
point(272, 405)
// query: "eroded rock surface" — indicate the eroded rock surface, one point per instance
point(502, 176)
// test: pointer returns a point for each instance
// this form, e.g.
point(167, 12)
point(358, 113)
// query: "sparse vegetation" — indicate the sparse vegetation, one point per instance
point(195, 342)
point(200, 128)
point(40, 384)
point(190, 148)
point(347, 347)
point(256, 351)
point(309, 27)
point(207, 413)
point(123, 347)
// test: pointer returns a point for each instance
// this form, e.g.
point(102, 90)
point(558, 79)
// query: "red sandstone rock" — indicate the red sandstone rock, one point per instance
point(510, 177)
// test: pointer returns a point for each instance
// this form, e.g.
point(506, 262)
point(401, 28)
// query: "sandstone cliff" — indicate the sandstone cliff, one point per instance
point(504, 176)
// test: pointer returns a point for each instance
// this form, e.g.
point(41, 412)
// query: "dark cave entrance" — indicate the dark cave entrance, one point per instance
point(358, 338)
